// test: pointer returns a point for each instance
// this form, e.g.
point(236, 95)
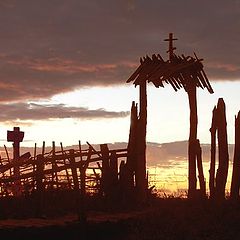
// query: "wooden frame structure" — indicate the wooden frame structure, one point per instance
point(180, 72)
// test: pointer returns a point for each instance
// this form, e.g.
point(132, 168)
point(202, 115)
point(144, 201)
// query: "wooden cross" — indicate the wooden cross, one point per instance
point(15, 136)
point(170, 48)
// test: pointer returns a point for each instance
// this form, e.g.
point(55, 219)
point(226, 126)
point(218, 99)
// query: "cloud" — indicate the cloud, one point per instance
point(33, 112)
point(51, 47)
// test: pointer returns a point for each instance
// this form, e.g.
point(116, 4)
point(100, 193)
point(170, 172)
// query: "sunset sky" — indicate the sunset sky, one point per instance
point(64, 66)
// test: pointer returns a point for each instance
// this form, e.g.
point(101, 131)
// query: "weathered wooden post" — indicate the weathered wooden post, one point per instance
point(140, 172)
point(132, 145)
point(202, 182)
point(105, 169)
point(192, 179)
point(114, 168)
point(213, 130)
point(222, 171)
point(75, 181)
point(16, 136)
point(66, 170)
point(54, 167)
point(39, 183)
point(235, 185)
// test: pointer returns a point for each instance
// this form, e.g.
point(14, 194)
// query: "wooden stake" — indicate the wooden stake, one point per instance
point(43, 148)
point(54, 165)
point(235, 185)
point(222, 171)
point(132, 145)
point(141, 181)
point(202, 182)
point(192, 179)
point(105, 169)
point(75, 181)
point(67, 175)
point(213, 130)
point(80, 150)
point(40, 185)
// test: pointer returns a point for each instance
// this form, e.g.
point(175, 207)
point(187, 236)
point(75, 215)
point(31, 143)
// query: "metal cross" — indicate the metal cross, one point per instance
point(170, 48)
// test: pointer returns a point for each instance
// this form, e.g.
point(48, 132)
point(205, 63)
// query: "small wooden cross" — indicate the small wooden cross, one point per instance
point(170, 48)
point(15, 136)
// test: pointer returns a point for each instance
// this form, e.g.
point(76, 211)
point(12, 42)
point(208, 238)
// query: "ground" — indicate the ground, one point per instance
point(162, 219)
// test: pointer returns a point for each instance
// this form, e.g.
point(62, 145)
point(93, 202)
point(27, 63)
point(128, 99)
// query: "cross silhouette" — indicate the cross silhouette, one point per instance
point(170, 48)
point(16, 136)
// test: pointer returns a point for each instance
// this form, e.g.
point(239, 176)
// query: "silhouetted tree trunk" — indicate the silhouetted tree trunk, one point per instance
point(192, 179)
point(222, 171)
point(141, 181)
point(202, 182)
point(213, 131)
point(235, 186)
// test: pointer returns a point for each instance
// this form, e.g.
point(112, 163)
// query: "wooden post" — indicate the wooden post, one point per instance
point(222, 171)
point(132, 144)
point(43, 148)
point(192, 180)
point(8, 158)
point(202, 182)
point(235, 185)
point(80, 150)
point(213, 130)
point(141, 181)
point(39, 183)
point(35, 156)
point(54, 166)
point(105, 169)
point(75, 181)
point(67, 175)
point(114, 168)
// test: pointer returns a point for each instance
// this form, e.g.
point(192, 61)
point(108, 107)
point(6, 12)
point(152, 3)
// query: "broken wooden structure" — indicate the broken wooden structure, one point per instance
point(217, 181)
point(85, 172)
point(180, 72)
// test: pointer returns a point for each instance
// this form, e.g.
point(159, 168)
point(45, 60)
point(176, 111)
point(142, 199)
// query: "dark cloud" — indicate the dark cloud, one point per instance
point(33, 112)
point(50, 47)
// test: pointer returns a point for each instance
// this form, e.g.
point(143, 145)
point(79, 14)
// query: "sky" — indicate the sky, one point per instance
point(64, 66)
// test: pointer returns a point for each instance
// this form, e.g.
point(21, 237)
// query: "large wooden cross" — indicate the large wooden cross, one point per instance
point(170, 48)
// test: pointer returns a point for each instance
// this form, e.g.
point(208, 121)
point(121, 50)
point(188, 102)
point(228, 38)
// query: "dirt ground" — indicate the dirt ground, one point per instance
point(162, 219)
